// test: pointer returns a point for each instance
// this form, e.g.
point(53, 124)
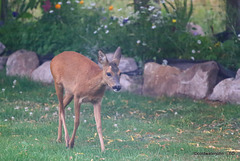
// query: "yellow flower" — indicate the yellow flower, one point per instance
point(110, 8)
point(57, 6)
point(81, 2)
point(174, 20)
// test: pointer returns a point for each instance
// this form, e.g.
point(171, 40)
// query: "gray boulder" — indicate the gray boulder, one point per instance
point(43, 73)
point(22, 63)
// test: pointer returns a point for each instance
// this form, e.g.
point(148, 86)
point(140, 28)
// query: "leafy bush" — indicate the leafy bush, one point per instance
point(153, 32)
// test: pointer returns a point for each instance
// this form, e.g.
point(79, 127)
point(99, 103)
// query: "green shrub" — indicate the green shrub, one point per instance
point(153, 32)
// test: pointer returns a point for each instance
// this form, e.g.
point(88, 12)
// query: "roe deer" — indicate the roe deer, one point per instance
point(85, 81)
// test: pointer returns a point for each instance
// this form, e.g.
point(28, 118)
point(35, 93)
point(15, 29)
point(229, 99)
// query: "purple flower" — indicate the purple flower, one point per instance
point(15, 14)
point(47, 5)
point(125, 20)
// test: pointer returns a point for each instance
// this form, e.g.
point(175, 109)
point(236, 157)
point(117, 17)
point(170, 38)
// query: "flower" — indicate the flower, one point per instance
point(69, 108)
point(164, 62)
point(110, 8)
point(68, 2)
point(115, 125)
point(192, 58)
point(14, 82)
point(94, 32)
point(174, 20)
point(199, 42)
point(193, 51)
point(107, 31)
point(3, 89)
point(154, 26)
point(57, 6)
point(26, 109)
point(81, 2)
point(46, 7)
point(139, 41)
point(30, 113)
point(51, 11)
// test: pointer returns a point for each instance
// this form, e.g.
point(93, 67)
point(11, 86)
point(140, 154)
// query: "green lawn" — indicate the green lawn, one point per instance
point(134, 127)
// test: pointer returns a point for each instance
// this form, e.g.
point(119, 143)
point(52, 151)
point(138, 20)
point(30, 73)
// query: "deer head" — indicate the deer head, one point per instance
point(111, 72)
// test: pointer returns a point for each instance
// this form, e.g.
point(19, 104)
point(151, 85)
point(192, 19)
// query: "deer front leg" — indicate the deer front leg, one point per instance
point(97, 115)
point(76, 120)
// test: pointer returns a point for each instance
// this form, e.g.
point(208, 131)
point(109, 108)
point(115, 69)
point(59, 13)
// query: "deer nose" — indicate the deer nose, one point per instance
point(116, 87)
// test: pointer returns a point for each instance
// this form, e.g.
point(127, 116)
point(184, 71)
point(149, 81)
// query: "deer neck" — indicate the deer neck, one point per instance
point(97, 83)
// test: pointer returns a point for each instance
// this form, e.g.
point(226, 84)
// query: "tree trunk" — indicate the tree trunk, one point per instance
point(3, 11)
point(233, 16)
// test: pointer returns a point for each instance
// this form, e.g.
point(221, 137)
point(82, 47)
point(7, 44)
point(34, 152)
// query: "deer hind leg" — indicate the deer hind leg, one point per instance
point(59, 91)
point(66, 100)
point(97, 115)
point(77, 105)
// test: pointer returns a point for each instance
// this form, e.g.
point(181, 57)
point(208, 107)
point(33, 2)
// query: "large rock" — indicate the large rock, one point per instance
point(126, 64)
point(160, 80)
point(199, 80)
point(43, 73)
point(196, 82)
point(131, 83)
point(22, 63)
point(227, 90)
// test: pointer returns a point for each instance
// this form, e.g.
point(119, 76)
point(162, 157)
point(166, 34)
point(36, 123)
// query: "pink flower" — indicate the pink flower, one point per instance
point(47, 5)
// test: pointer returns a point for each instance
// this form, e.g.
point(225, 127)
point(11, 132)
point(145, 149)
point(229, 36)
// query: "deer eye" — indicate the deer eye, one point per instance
point(109, 74)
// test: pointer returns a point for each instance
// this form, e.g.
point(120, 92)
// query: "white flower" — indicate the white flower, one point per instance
point(60, 3)
point(115, 125)
point(84, 121)
point(121, 24)
point(239, 35)
point(30, 113)
point(199, 42)
point(193, 51)
point(138, 41)
point(5, 120)
point(99, 29)
point(3, 89)
point(105, 26)
point(134, 129)
point(164, 62)
point(95, 32)
point(77, 1)
point(74, 117)
point(150, 8)
point(192, 58)
point(72, 8)
point(107, 31)
point(93, 4)
point(16, 108)
point(26, 109)
point(51, 11)
point(144, 44)
point(20, 92)
point(14, 82)
point(12, 118)
point(68, 2)
point(120, 9)
point(69, 108)
point(154, 26)
point(46, 109)
point(175, 113)
point(13, 86)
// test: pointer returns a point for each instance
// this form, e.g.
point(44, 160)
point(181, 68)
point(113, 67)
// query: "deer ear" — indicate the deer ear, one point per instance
point(117, 56)
point(102, 58)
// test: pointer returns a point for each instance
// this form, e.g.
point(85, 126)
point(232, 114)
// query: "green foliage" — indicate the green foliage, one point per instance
point(155, 31)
